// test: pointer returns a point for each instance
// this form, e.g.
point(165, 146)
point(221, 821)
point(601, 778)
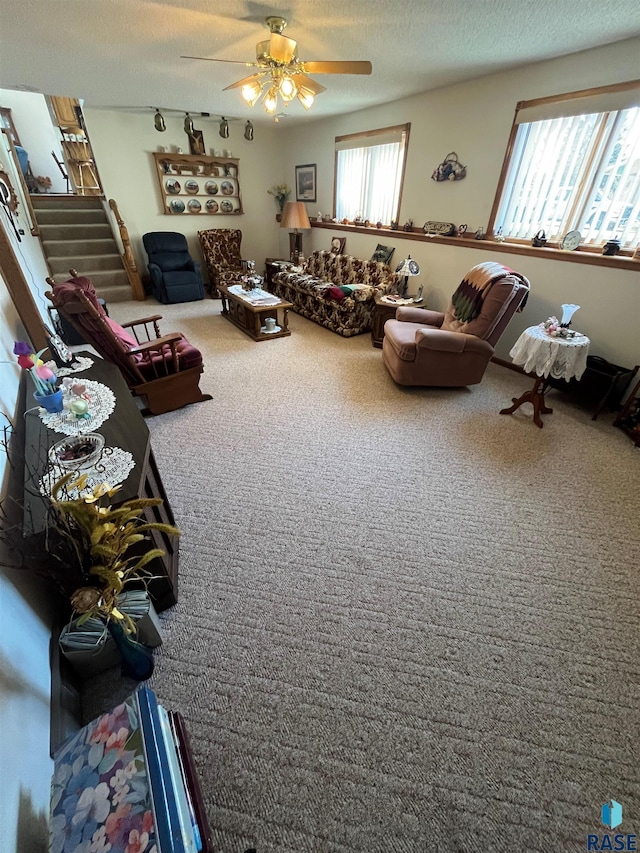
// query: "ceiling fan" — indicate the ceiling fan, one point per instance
point(282, 73)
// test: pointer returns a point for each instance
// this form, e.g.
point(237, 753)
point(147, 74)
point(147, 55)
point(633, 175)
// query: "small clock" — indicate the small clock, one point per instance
point(571, 240)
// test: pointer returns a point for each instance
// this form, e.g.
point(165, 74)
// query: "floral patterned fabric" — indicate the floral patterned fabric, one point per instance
point(221, 253)
point(309, 291)
point(100, 796)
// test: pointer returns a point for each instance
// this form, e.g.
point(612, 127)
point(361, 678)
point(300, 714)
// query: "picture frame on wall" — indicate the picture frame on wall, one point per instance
point(337, 245)
point(196, 142)
point(306, 182)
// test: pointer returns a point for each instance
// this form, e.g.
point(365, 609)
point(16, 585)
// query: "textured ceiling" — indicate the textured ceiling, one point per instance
point(126, 53)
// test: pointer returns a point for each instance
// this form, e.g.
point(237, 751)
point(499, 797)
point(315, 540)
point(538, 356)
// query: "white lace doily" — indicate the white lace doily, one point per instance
point(101, 404)
point(562, 358)
point(113, 467)
point(84, 363)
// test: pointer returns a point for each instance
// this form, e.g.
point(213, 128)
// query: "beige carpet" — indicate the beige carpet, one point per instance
point(406, 623)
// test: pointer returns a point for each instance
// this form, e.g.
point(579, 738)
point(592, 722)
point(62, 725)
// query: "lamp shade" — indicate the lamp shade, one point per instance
point(408, 267)
point(295, 215)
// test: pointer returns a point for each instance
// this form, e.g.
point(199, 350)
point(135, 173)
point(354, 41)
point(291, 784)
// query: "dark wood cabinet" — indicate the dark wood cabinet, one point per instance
point(124, 428)
point(629, 418)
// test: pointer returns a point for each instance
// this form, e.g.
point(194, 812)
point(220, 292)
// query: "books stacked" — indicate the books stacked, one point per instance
point(393, 299)
point(129, 777)
point(89, 647)
point(254, 297)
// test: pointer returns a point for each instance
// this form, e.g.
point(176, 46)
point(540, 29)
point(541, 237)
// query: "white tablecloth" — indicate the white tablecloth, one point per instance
point(540, 353)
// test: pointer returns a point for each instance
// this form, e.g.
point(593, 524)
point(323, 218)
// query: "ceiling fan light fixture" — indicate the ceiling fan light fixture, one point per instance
point(306, 98)
point(251, 92)
point(159, 122)
point(288, 89)
point(270, 102)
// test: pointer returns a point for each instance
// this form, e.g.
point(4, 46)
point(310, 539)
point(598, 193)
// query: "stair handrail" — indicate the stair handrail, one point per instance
point(127, 256)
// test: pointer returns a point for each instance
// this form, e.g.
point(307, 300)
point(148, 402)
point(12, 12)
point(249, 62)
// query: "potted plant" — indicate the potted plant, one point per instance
point(101, 539)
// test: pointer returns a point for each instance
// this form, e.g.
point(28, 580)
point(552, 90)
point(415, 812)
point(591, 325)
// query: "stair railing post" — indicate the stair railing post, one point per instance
point(127, 256)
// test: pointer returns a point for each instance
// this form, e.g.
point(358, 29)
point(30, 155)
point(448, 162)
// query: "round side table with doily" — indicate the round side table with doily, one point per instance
point(545, 355)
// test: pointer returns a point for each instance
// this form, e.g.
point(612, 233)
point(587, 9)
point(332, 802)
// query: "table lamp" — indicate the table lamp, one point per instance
point(407, 268)
point(295, 216)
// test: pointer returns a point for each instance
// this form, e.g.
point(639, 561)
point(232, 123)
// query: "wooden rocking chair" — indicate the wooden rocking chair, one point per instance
point(165, 369)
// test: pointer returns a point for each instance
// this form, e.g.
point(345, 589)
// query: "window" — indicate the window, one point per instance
point(574, 164)
point(369, 174)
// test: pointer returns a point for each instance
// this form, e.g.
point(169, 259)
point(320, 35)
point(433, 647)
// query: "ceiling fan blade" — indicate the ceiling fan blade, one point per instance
point(244, 81)
point(337, 67)
point(281, 48)
point(231, 61)
point(308, 83)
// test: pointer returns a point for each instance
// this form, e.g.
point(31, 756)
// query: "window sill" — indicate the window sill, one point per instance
point(623, 262)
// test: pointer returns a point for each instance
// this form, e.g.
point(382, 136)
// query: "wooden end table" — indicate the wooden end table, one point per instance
point(544, 356)
point(250, 318)
point(383, 311)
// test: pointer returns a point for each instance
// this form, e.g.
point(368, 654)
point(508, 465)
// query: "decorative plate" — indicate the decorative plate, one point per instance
point(177, 206)
point(226, 206)
point(194, 206)
point(227, 188)
point(192, 186)
point(571, 240)
point(211, 187)
point(444, 229)
point(173, 186)
point(212, 205)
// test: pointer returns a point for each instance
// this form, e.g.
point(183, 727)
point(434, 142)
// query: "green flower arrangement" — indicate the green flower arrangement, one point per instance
point(101, 537)
point(281, 193)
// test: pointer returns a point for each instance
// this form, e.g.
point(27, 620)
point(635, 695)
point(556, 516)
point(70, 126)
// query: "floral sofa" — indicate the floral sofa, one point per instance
point(336, 291)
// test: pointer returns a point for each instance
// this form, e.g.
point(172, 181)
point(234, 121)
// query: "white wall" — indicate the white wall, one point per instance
point(25, 766)
point(123, 144)
point(37, 133)
point(474, 120)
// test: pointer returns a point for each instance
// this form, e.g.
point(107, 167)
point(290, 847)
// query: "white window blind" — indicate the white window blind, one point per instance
point(575, 171)
point(369, 176)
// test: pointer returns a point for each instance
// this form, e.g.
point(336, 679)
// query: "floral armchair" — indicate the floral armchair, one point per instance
point(221, 253)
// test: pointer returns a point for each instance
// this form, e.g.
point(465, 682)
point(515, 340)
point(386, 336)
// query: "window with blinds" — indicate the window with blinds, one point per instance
point(369, 174)
point(574, 164)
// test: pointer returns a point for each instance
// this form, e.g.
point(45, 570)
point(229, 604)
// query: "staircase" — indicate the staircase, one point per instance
point(76, 234)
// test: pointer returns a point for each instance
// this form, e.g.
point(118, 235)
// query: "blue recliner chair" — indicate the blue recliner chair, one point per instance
point(175, 276)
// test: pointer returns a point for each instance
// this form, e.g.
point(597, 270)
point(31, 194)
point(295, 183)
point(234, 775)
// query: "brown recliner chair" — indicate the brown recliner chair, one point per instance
point(165, 369)
point(423, 347)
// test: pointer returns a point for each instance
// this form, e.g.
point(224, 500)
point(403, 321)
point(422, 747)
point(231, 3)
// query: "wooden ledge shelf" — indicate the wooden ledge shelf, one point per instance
point(621, 262)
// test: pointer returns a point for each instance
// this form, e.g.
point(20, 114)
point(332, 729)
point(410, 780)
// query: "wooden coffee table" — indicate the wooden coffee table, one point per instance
point(249, 317)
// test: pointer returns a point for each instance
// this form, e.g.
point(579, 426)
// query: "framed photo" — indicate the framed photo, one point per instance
point(383, 253)
point(306, 182)
point(337, 245)
point(196, 142)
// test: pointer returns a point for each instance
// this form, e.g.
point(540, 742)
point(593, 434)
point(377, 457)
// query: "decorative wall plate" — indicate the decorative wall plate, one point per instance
point(227, 188)
point(194, 206)
point(571, 240)
point(444, 229)
point(177, 206)
point(212, 205)
point(173, 186)
point(192, 186)
point(211, 187)
point(226, 206)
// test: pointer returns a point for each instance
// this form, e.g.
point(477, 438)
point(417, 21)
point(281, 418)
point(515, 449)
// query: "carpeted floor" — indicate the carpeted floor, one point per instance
point(406, 623)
